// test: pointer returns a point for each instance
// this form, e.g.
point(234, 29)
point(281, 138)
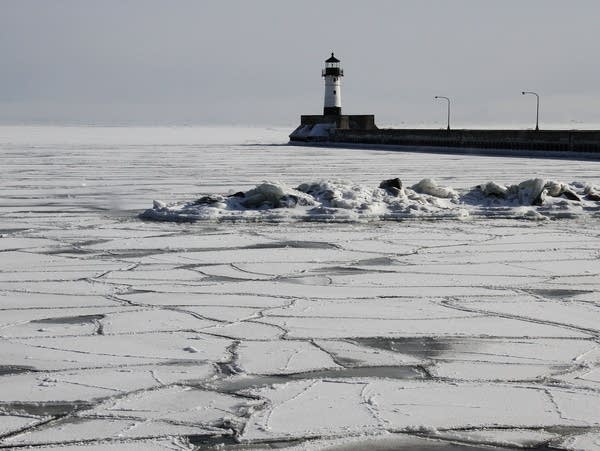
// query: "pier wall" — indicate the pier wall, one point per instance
point(552, 140)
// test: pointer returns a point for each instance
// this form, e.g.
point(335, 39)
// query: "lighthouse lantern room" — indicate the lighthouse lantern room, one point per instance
point(333, 74)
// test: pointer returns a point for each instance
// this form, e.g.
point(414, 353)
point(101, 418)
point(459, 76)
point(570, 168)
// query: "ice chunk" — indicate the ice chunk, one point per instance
point(274, 195)
point(530, 192)
point(430, 186)
point(592, 192)
point(494, 189)
point(392, 186)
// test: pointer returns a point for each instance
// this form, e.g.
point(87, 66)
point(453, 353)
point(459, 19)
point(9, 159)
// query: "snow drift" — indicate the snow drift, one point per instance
point(340, 200)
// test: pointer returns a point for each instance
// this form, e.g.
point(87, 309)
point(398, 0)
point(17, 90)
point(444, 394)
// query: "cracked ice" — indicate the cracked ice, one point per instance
point(452, 332)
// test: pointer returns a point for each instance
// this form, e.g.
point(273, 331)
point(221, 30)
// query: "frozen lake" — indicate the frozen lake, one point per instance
point(462, 326)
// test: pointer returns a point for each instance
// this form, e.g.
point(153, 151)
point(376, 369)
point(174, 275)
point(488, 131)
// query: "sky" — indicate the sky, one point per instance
point(258, 62)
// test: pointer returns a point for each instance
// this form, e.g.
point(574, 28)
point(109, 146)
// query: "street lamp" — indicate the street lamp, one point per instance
point(537, 114)
point(447, 100)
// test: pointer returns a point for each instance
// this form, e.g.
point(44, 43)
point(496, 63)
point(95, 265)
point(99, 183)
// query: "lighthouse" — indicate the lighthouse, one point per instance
point(315, 127)
point(333, 74)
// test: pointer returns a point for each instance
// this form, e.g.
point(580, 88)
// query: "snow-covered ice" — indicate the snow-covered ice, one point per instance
point(342, 201)
point(181, 288)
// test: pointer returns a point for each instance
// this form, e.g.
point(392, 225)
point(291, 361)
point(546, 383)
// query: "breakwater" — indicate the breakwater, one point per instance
point(361, 130)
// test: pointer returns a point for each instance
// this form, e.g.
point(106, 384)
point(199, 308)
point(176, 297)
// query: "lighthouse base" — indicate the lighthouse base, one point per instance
point(332, 111)
point(342, 122)
point(321, 127)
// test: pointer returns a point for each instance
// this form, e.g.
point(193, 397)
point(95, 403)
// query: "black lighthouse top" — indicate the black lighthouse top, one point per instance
point(332, 67)
point(332, 59)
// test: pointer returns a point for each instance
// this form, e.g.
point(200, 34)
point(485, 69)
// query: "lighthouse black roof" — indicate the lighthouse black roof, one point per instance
point(332, 59)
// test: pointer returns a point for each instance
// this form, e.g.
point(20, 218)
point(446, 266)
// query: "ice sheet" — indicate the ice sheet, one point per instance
point(477, 328)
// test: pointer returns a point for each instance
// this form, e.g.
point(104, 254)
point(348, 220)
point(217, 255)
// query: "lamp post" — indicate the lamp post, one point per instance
point(447, 100)
point(537, 113)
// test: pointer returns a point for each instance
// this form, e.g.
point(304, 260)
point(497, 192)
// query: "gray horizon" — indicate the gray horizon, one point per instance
point(258, 62)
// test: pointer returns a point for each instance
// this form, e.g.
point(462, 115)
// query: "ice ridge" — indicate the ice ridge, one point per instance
point(344, 201)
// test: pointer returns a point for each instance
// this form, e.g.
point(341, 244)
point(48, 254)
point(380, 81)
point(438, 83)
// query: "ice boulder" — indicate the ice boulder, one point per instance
point(392, 186)
point(591, 193)
point(557, 189)
point(274, 195)
point(342, 194)
point(494, 189)
point(429, 186)
point(210, 200)
point(529, 192)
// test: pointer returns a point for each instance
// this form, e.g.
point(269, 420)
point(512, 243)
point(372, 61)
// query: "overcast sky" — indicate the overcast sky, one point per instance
point(259, 61)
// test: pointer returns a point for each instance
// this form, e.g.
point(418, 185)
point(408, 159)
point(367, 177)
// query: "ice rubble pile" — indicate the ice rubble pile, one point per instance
point(338, 200)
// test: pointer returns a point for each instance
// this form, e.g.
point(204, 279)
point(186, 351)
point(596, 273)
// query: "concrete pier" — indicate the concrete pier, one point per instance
point(345, 130)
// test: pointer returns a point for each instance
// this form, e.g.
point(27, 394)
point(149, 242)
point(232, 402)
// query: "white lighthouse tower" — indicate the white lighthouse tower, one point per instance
point(333, 74)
